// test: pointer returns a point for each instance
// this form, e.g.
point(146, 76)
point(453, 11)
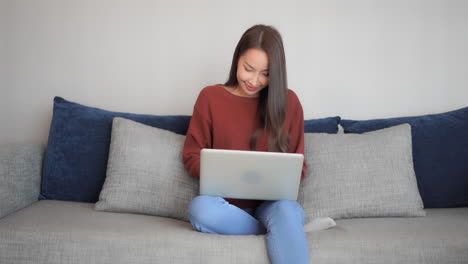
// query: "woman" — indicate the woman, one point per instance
point(253, 110)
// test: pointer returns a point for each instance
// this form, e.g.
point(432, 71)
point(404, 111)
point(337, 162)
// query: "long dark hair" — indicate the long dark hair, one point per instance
point(273, 99)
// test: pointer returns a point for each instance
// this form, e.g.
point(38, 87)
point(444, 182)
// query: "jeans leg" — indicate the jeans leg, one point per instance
point(215, 215)
point(286, 240)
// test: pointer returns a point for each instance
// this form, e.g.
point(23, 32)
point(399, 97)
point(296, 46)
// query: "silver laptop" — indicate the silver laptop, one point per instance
point(250, 174)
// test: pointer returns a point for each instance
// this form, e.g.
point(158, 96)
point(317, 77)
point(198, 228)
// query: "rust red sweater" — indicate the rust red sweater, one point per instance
point(222, 120)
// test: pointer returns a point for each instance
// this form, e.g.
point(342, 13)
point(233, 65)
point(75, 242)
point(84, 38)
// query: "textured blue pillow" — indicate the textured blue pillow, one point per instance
point(324, 125)
point(78, 147)
point(440, 154)
point(76, 158)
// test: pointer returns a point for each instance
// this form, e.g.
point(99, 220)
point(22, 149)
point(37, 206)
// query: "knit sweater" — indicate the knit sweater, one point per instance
point(222, 120)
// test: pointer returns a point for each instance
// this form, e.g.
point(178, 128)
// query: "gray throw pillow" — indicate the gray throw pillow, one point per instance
point(145, 173)
point(360, 175)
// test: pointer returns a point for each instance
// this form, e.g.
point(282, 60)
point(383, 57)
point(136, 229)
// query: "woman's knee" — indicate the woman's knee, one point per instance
point(200, 202)
point(201, 208)
point(288, 208)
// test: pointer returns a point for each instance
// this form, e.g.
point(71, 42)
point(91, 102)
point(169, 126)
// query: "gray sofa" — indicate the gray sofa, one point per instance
point(49, 231)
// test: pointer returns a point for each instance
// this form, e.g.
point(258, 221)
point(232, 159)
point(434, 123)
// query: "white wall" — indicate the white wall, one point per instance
point(358, 59)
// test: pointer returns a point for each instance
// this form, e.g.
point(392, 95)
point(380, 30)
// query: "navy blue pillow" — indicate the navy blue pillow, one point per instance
point(324, 125)
point(76, 158)
point(440, 154)
point(78, 147)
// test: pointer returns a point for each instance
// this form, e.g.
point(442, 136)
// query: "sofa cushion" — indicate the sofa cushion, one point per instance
point(440, 153)
point(69, 232)
point(323, 125)
point(20, 176)
point(145, 173)
point(78, 147)
point(368, 175)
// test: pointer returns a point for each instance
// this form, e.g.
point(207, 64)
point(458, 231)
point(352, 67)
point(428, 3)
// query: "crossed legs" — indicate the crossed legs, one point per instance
point(282, 221)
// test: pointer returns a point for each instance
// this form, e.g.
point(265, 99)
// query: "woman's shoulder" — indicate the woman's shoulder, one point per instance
point(293, 98)
point(295, 112)
point(212, 90)
point(208, 94)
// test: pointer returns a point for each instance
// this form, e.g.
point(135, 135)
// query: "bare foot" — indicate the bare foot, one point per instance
point(319, 223)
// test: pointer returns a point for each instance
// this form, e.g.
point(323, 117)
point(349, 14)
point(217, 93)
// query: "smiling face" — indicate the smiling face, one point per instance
point(252, 73)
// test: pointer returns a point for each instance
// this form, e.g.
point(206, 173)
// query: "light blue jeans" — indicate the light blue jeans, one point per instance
point(282, 221)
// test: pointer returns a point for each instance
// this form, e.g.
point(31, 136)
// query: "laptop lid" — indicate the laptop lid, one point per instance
point(250, 174)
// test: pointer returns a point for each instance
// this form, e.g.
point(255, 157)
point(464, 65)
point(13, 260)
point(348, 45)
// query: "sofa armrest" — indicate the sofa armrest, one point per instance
point(20, 176)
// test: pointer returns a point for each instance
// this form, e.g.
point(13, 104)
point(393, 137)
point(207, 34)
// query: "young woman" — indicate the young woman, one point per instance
point(253, 110)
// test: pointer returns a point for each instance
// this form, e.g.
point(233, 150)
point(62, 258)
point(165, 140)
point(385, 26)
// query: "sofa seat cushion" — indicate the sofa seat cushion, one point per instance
point(71, 232)
point(62, 232)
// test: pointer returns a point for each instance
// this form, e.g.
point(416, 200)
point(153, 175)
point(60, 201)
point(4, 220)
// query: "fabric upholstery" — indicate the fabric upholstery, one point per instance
point(68, 232)
point(440, 153)
point(145, 173)
point(368, 175)
point(20, 176)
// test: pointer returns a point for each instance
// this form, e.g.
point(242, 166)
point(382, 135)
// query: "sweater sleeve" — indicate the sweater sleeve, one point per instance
point(296, 131)
point(198, 136)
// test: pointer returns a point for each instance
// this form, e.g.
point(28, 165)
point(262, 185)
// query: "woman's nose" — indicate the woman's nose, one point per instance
point(254, 80)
